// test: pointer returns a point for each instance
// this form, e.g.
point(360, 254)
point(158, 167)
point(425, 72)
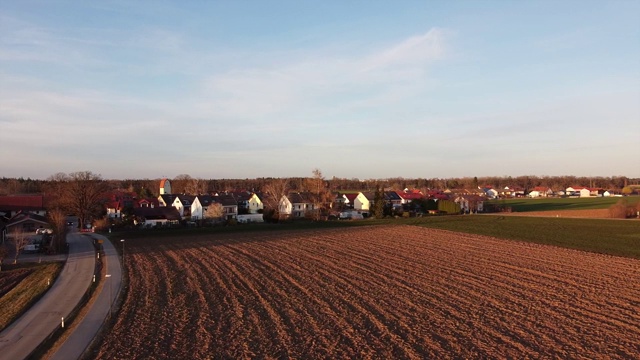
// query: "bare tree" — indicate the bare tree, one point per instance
point(80, 193)
point(57, 219)
point(273, 192)
point(214, 211)
point(319, 193)
point(185, 184)
point(3, 254)
point(20, 240)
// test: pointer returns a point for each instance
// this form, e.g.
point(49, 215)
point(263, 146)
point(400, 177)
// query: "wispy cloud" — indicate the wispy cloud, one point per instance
point(322, 81)
point(415, 51)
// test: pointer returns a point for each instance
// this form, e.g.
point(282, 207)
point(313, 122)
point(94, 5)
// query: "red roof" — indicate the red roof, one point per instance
point(351, 197)
point(24, 202)
point(410, 194)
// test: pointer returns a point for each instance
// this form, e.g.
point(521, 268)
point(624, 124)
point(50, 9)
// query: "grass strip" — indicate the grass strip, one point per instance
point(19, 299)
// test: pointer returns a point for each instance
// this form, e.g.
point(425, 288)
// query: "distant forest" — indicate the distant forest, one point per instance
point(187, 184)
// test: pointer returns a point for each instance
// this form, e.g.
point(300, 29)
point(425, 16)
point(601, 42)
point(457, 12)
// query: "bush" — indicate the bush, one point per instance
point(620, 210)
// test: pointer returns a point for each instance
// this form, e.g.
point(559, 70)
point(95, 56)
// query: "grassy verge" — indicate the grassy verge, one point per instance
point(16, 301)
point(549, 204)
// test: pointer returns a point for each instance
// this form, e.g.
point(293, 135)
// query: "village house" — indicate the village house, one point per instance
point(364, 201)
point(540, 191)
point(583, 191)
point(408, 196)
point(470, 203)
point(490, 192)
point(156, 216)
point(117, 202)
point(393, 199)
point(26, 223)
point(295, 205)
point(229, 205)
point(248, 202)
point(10, 205)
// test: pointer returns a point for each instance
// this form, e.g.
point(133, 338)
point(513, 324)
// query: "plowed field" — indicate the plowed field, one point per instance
point(374, 292)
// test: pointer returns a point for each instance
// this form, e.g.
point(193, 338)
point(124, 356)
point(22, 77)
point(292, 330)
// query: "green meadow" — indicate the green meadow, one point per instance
point(550, 204)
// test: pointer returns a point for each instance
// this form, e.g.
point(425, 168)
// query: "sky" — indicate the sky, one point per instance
point(357, 89)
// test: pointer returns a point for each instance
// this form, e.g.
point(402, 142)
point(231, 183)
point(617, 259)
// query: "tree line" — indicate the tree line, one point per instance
point(186, 184)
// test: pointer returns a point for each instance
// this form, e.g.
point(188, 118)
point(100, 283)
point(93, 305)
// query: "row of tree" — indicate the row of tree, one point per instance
point(186, 184)
point(83, 193)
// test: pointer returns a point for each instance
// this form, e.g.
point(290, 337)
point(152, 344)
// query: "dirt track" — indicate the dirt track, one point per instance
point(395, 292)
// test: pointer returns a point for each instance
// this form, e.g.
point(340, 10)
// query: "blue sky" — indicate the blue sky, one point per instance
point(358, 89)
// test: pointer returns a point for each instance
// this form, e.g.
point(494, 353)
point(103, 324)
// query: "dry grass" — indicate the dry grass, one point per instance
point(27, 291)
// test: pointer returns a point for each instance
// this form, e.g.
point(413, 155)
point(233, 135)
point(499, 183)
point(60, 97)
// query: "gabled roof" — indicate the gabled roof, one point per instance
point(369, 195)
point(437, 194)
point(206, 200)
point(241, 195)
point(26, 216)
point(351, 197)
point(391, 196)
point(225, 200)
point(24, 202)
point(168, 198)
point(299, 198)
point(410, 194)
point(152, 201)
point(186, 200)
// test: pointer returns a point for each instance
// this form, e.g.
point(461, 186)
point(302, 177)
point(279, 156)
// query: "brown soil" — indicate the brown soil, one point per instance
point(395, 292)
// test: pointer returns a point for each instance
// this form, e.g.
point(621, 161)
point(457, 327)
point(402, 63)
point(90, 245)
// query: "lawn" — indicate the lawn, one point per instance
point(549, 204)
point(613, 237)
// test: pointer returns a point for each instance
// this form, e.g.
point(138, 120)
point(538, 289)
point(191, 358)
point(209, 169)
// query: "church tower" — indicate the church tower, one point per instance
point(165, 187)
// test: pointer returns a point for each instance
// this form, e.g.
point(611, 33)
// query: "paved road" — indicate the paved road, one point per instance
point(82, 336)
point(25, 334)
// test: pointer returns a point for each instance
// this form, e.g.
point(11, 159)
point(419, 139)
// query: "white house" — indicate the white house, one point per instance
point(540, 191)
point(295, 205)
point(490, 193)
point(182, 203)
point(196, 209)
point(470, 203)
point(229, 205)
point(581, 191)
point(285, 207)
point(249, 202)
point(363, 201)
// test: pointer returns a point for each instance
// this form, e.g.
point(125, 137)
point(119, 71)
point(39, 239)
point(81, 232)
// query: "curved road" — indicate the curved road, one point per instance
point(90, 325)
point(19, 339)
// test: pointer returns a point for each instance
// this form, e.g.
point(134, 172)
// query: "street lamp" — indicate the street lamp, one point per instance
point(110, 301)
point(122, 241)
